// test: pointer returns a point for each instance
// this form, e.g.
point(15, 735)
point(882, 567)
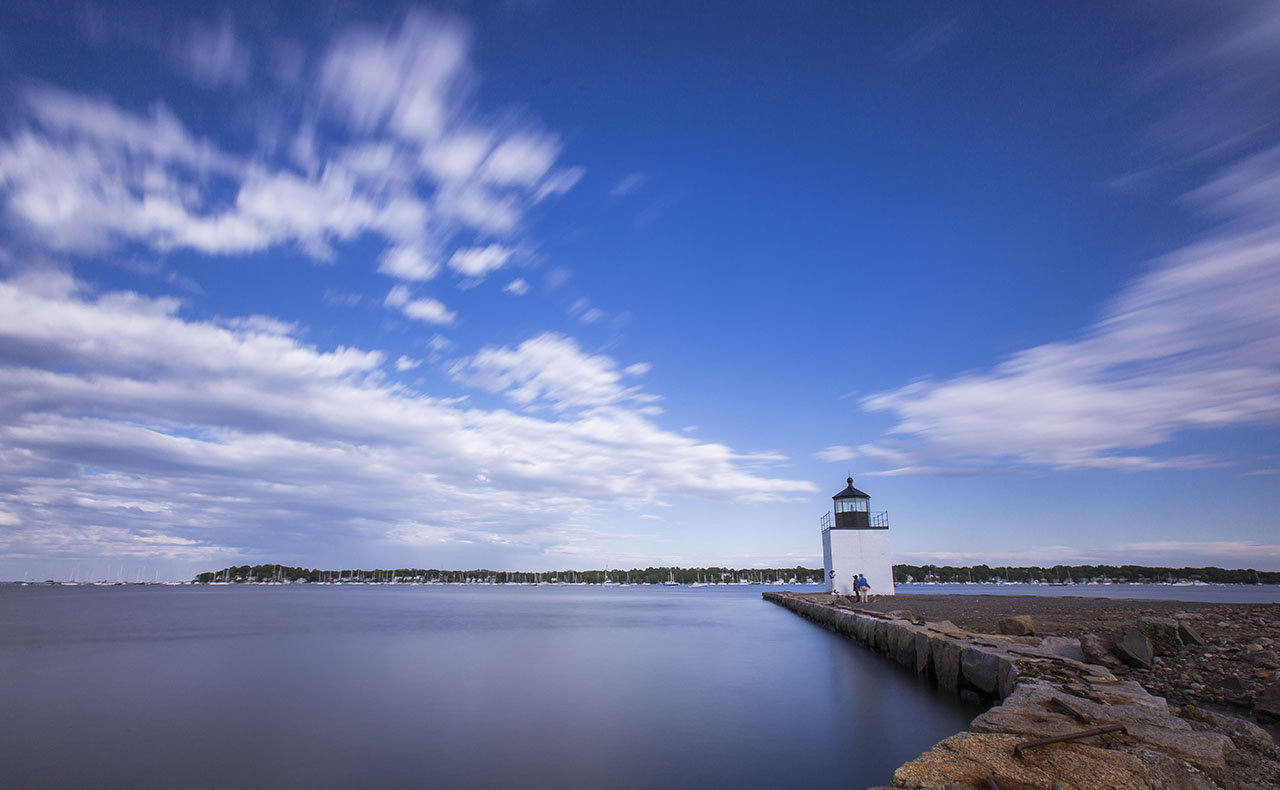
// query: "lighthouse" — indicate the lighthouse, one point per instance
point(857, 541)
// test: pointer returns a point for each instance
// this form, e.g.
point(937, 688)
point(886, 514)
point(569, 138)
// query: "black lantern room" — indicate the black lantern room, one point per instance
point(852, 508)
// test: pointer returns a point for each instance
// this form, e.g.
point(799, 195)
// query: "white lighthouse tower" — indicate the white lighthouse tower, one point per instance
point(856, 542)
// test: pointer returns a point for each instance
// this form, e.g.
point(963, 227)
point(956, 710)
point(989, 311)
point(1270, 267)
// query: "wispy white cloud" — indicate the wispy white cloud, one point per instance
point(336, 298)
point(214, 54)
point(412, 161)
point(582, 310)
point(836, 452)
point(1240, 553)
point(558, 182)
point(922, 470)
point(1193, 344)
point(1214, 96)
point(404, 363)
point(517, 287)
point(132, 428)
point(550, 369)
point(409, 81)
point(1171, 553)
point(630, 183)
point(431, 311)
point(1042, 556)
point(521, 160)
point(91, 175)
point(479, 261)
point(407, 263)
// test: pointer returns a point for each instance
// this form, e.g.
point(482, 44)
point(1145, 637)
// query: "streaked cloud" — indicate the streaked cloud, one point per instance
point(1239, 553)
point(1192, 345)
point(836, 452)
point(550, 369)
point(407, 263)
point(479, 261)
point(411, 162)
point(629, 184)
point(431, 311)
point(214, 54)
point(1169, 553)
point(135, 431)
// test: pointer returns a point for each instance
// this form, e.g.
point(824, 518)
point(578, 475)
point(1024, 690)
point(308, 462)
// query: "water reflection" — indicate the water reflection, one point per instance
point(409, 687)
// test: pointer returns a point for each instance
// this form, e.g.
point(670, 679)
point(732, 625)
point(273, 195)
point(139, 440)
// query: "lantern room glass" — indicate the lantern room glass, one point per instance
point(852, 505)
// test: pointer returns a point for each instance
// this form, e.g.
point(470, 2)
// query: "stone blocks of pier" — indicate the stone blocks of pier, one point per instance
point(1023, 677)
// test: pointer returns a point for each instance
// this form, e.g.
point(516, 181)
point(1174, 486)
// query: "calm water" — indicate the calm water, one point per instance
point(1208, 593)
point(393, 687)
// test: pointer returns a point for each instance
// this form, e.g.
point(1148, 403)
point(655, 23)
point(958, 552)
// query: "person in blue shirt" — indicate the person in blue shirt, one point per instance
point(861, 586)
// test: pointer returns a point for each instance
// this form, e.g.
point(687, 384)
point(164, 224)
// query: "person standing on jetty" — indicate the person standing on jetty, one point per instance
point(860, 585)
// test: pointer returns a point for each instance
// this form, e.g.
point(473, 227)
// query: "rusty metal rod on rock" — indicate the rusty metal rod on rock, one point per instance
point(1070, 736)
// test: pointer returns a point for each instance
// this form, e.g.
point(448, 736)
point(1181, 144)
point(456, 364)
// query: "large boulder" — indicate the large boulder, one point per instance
point(1133, 647)
point(1190, 636)
point(1268, 702)
point(945, 627)
point(924, 652)
point(1098, 650)
point(946, 662)
point(1163, 633)
point(1244, 734)
point(844, 622)
point(1171, 773)
point(1062, 646)
point(1267, 659)
point(862, 628)
point(981, 667)
point(902, 642)
point(969, 759)
point(1207, 751)
point(880, 636)
point(1018, 625)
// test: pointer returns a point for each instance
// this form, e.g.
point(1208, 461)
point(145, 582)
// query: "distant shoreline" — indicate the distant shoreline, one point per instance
point(1083, 586)
point(672, 575)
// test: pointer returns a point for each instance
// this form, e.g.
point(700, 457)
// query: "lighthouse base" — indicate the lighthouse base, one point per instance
point(847, 552)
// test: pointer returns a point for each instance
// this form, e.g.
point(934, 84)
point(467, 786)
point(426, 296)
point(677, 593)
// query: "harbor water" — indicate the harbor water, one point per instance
point(438, 686)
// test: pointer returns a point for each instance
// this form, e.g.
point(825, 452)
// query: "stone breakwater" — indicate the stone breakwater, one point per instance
point(1039, 689)
point(1216, 655)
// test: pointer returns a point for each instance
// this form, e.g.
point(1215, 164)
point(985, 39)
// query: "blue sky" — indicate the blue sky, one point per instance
point(538, 285)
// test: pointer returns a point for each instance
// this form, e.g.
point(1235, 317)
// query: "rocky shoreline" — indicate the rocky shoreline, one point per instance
point(1217, 656)
point(1041, 687)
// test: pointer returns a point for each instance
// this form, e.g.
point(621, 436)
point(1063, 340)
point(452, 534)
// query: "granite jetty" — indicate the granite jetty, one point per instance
point(1055, 719)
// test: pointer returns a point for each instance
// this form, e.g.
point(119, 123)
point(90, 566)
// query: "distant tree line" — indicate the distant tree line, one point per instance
point(247, 574)
point(903, 574)
point(1077, 574)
